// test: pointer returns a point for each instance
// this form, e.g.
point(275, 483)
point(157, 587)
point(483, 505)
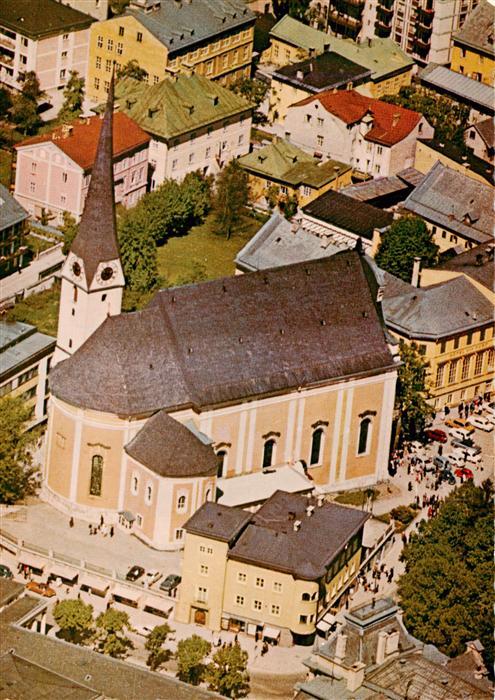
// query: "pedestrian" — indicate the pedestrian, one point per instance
point(111, 530)
point(102, 522)
point(409, 486)
point(404, 538)
point(71, 522)
point(90, 528)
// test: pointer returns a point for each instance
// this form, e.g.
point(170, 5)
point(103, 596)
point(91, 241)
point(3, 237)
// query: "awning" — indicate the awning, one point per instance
point(32, 560)
point(257, 487)
point(271, 633)
point(323, 626)
point(127, 593)
point(93, 582)
point(62, 571)
point(251, 629)
point(157, 604)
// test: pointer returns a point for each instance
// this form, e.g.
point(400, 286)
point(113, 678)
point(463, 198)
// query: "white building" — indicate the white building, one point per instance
point(375, 137)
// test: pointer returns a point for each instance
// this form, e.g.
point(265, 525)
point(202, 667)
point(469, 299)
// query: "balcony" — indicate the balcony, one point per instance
point(7, 43)
point(386, 4)
point(345, 20)
point(382, 29)
point(6, 60)
point(425, 17)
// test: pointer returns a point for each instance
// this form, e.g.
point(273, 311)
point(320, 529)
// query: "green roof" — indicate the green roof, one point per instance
point(381, 56)
point(41, 18)
point(286, 163)
point(179, 105)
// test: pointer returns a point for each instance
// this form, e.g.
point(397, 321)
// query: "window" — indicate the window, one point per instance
point(239, 600)
point(241, 577)
point(74, 295)
point(139, 37)
point(491, 353)
point(96, 475)
point(33, 167)
point(106, 85)
point(108, 66)
point(482, 334)
point(478, 366)
point(209, 68)
point(303, 619)
point(469, 339)
point(277, 587)
point(440, 376)
point(377, 168)
point(319, 121)
point(64, 55)
point(65, 37)
point(134, 484)
point(257, 605)
point(156, 79)
point(466, 362)
point(379, 150)
point(121, 31)
point(283, 189)
point(97, 83)
point(305, 596)
point(319, 140)
point(240, 139)
point(260, 582)
point(174, 164)
point(364, 436)
point(452, 371)
point(99, 42)
point(109, 44)
point(208, 152)
point(222, 463)
point(308, 118)
point(32, 187)
point(275, 51)
point(191, 157)
point(181, 503)
point(201, 594)
point(268, 450)
point(98, 62)
point(149, 494)
point(139, 520)
point(275, 609)
point(62, 74)
point(179, 533)
point(63, 199)
point(443, 345)
point(316, 440)
point(203, 570)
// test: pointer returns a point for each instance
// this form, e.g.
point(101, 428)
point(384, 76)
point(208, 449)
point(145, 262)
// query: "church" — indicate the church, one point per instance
point(220, 391)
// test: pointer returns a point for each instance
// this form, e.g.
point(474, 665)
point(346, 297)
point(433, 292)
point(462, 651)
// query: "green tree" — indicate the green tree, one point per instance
point(295, 8)
point(5, 103)
point(16, 443)
point(137, 250)
point(196, 191)
point(255, 91)
point(411, 406)
point(447, 117)
point(5, 137)
point(24, 113)
point(154, 645)
point(191, 653)
point(227, 673)
point(446, 591)
point(118, 7)
point(288, 206)
point(73, 97)
point(31, 87)
point(75, 620)
point(231, 196)
point(132, 69)
point(406, 239)
point(69, 229)
point(110, 638)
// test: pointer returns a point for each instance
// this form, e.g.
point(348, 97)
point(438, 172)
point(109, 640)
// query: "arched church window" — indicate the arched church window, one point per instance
point(222, 463)
point(364, 436)
point(75, 294)
point(181, 503)
point(96, 475)
point(149, 493)
point(316, 442)
point(268, 450)
point(134, 484)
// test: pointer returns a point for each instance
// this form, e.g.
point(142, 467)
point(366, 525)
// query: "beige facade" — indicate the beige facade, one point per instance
point(425, 158)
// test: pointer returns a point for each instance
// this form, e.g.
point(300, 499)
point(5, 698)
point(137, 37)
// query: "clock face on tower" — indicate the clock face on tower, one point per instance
point(106, 273)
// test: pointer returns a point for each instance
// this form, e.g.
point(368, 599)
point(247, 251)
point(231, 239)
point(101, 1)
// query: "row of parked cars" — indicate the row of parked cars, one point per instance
point(168, 585)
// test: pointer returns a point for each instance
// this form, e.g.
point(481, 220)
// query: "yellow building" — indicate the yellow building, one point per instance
point(293, 171)
point(473, 53)
point(452, 322)
point(270, 574)
point(169, 37)
point(429, 151)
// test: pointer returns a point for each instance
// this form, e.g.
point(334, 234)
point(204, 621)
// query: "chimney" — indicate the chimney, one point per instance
point(340, 647)
point(320, 500)
point(381, 648)
point(297, 525)
point(415, 272)
point(310, 511)
point(355, 676)
point(395, 119)
point(300, 75)
point(66, 130)
point(326, 48)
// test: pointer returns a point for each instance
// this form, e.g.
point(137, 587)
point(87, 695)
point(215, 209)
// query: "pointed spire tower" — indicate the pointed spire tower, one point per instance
point(92, 276)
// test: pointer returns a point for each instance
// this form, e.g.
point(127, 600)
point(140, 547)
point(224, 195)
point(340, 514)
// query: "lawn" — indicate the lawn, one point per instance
point(356, 498)
point(40, 310)
point(204, 254)
point(5, 166)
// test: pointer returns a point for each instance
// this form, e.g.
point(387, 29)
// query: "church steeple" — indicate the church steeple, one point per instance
point(92, 276)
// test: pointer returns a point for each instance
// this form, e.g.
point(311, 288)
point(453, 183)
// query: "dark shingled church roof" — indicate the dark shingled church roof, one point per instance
point(232, 338)
point(96, 240)
point(170, 449)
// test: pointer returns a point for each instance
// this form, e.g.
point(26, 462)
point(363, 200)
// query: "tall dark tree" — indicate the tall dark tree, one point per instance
point(154, 645)
point(16, 445)
point(73, 97)
point(191, 654)
point(24, 113)
point(446, 591)
point(31, 87)
point(406, 239)
point(132, 69)
point(137, 250)
point(5, 102)
point(255, 91)
point(411, 405)
point(69, 229)
point(231, 196)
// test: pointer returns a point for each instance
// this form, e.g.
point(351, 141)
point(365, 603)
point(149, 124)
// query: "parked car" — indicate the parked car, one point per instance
point(460, 433)
point(467, 445)
point(436, 435)
point(441, 462)
point(170, 584)
point(5, 572)
point(491, 418)
point(41, 589)
point(152, 577)
point(134, 573)
point(456, 458)
point(489, 408)
point(446, 475)
point(415, 446)
point(459, 423)
point(464, 473)
point(481, 423)
point(474, 458)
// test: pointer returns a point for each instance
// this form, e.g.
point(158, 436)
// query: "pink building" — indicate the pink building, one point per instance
point(53, 170)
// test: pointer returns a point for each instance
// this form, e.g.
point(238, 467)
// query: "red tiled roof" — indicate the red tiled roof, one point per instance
point(81, 143)
point(391, 123)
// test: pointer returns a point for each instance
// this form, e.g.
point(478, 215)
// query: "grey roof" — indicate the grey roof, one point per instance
point(218, 522)
point(376, 188)
point(324, 72)
point(181, 25)
point(478, 31)
point(348, 214)
point(462, 156)
point(11, 211)
point(20, 345)
point(441, 310)
point(476, 263)
point(277, 244)
point(38, 19)
point(9, 590)
point(456, 202)
point(459, 86)
point(270, 539)
point(96, 239)
point(225, 340)
point(169, 448)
